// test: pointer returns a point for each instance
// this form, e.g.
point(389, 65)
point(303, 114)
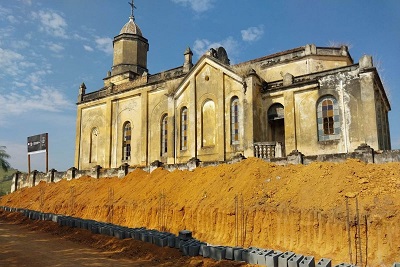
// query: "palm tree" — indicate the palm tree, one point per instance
point(3, 156)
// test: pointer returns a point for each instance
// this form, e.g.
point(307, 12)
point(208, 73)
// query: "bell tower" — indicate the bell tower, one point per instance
point(130, 49)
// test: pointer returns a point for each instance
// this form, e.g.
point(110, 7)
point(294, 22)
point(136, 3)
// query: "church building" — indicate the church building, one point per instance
point(311, 99)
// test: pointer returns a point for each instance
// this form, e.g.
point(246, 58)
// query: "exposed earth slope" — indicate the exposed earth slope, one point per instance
point(301, 208)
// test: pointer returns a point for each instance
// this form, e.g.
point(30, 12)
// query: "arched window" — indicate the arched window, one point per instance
point(235, 120)
point(328, 119)
point(184, 126)
point(94, 137)
point(126, 141)
point(208, 123)
point(164, 134)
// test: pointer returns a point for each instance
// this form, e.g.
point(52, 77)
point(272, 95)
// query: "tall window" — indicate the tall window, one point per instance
point(184, 126)
point(328, 119)
point(126, 142)
point(94, 136)
point(235, 120)
point(164, 134)
point(208, 123)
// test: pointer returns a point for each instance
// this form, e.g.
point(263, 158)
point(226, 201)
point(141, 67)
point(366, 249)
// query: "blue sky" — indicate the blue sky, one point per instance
point(49, 47)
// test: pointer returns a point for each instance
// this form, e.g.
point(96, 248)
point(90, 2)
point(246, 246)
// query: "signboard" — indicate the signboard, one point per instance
point(37, 144)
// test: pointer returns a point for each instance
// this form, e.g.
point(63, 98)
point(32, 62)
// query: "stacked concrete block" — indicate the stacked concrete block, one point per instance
point(245, 255)
point(205, 251)
point(283, 259)
point(184, 246)
point(137, 234)
point(252, 256)
point(171, 241)
point(84, 225)
point(307, 261)
point(295, 260)
point(106, 230)
point(217, 253)
point(230, 251)
point(177, 242)
point(185, 235)
point(324, 263)
point(163, 241)
point(237, 254)
point(262, 256)
point(144, 236)
point(119, 233)
point(94, 228)
point(194, 249)
point(271, 260)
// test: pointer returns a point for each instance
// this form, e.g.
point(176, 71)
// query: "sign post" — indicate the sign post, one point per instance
point(38, 144)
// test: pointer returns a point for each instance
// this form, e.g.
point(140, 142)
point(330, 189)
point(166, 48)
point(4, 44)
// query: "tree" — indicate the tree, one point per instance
point(3, 159)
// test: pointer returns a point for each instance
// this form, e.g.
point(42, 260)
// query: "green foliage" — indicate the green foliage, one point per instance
point(6, 180)
point(8, 177)
point(4, 165)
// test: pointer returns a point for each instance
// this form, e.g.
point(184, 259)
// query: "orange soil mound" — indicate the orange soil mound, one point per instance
point(298, 207)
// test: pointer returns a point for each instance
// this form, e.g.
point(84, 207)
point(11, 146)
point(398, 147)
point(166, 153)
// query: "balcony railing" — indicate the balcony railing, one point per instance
point(268, 150)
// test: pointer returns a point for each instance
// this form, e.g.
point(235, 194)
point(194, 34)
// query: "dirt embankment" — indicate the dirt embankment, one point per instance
point(298, 208)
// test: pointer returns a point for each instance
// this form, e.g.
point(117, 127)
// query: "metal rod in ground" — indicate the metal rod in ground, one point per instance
point(358, 233)
point(41, 197)
point(159, 211)
point(366, 239)
point(348, 229)
point(110, 204)
point(72, 201)
point(243, 222)
point(236, 220)
point(162, 211)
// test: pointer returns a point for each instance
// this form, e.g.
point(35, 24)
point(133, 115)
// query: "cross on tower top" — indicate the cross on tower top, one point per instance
point(132, 4)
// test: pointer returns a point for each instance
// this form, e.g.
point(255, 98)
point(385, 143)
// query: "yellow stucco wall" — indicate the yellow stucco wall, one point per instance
point(207, 90)
point(93, 117)
point(124, 110)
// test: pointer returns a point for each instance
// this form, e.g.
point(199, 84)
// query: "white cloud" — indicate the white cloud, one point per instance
point(203, 45)
point(35, 78)
point(56, 48)
point(45, 99)
point(28, 2)
point(252, 34)
point(104, 44)
point(9, 62)
point(88, 48)
point(6, 32)
point(12, 19)
point(26, 64)
point(196, 5)
point(19, 84)
point(52, 23)
point(20, 44)
point(77, 36)
point(4, 12)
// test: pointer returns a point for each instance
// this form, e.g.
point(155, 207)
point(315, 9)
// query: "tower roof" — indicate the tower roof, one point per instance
point(131, 27)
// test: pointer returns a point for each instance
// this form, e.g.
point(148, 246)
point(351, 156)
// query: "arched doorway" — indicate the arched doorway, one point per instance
point(276, 120)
